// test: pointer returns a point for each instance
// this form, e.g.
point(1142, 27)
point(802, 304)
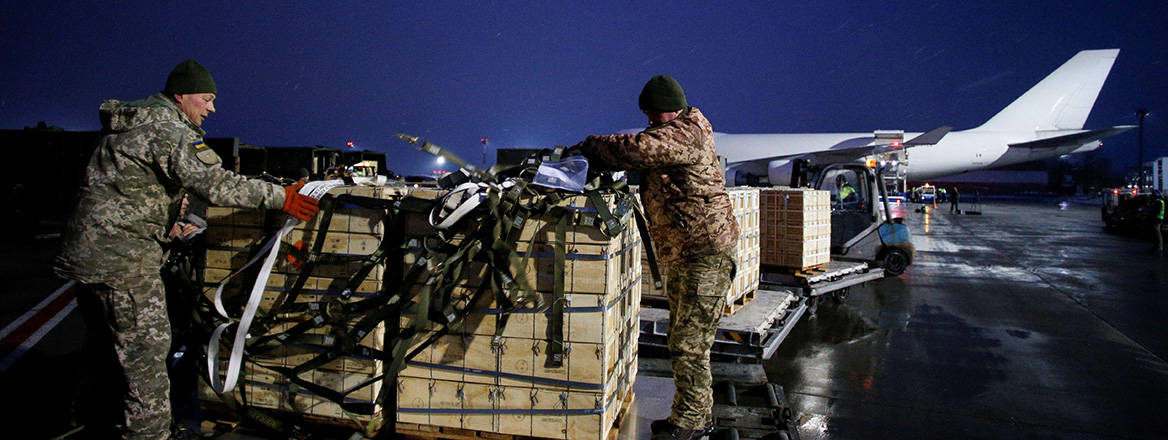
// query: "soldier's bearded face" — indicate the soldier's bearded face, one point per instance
point(196, 106)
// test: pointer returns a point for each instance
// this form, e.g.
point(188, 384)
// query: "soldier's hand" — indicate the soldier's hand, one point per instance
point(298, 205)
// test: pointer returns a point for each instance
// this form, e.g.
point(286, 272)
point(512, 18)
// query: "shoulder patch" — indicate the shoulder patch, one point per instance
point(204, 154)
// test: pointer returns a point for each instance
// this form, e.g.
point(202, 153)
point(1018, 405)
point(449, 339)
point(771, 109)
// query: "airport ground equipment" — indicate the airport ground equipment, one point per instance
point(835, 279)
point(862, 226)
point(1125, 211)
point(755, 332)
point(752, 410)
point(924, 194)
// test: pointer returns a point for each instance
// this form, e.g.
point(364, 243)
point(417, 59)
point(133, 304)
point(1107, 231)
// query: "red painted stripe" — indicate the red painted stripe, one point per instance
point(34, 323)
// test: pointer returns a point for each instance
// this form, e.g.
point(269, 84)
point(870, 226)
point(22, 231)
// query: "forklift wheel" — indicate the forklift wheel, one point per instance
point(895, 261)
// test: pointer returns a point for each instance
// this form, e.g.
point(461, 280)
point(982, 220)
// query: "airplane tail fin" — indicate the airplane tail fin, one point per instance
point(1062, 100)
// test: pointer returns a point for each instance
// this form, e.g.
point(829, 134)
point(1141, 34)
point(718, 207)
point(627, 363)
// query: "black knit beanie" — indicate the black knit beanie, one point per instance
point(189, 77)
point(662, 94)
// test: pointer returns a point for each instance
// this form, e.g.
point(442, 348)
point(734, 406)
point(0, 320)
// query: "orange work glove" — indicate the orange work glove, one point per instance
point(298, 205)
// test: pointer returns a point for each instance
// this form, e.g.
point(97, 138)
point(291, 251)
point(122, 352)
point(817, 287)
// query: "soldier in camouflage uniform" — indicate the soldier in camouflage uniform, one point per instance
point(151, 153)
point(693, 227)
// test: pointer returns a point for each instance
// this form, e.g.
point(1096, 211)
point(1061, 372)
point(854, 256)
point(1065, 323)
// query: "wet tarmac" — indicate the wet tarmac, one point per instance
point(1025, 322)
point(1028, 321)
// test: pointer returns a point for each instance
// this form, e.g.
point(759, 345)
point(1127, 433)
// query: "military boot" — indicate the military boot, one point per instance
point(661, 425)
point(676, 433)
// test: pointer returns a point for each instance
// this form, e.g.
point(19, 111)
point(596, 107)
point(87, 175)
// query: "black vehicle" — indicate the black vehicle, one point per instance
point(1130, 215)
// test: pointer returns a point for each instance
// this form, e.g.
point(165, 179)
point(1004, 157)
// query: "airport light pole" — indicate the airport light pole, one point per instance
point(484, 141)
point(1141, 113)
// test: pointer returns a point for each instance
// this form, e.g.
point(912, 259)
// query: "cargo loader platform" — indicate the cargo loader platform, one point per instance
point(834, 276)
point(754, 332)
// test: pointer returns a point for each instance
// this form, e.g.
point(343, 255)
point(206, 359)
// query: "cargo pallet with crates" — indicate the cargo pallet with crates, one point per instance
point(558, 364)
point(785, 249)
point(748, 328)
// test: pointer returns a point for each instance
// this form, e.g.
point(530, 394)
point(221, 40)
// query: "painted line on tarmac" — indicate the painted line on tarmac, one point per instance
point(33, 311)
point(22, 334)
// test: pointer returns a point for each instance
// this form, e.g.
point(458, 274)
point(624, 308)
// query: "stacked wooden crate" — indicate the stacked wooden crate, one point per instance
point(796, 227)
point(745, 202)
point(231, 235)
point(469, 380)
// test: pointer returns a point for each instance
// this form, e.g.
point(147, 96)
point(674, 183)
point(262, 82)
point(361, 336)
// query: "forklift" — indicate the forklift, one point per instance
point(862, 225)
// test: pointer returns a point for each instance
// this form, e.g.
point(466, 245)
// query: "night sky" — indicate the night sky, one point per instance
point(537, 74)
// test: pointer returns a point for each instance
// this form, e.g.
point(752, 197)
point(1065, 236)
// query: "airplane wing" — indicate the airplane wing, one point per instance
point(930, 137)
point(1071, 140)
point(847, 154)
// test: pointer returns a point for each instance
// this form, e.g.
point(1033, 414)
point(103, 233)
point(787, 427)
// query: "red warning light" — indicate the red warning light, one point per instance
point(483, 140)
point(895, 144)
point(350, 144)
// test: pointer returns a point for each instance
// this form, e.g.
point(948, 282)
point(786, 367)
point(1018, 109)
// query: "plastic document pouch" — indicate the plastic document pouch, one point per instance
point(568, 174)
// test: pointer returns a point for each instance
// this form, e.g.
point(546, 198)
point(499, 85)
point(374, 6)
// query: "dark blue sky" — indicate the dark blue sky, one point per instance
point(536, 74)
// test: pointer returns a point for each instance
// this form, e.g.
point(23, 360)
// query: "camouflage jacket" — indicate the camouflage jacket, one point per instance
point(683, 189)
point(132, 188)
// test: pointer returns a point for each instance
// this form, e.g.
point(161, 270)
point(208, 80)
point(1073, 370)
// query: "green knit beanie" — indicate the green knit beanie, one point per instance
point(662, 94)
point(189, 77)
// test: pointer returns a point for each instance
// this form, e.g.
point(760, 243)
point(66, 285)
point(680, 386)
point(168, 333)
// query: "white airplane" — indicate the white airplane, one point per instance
point(1046, 121)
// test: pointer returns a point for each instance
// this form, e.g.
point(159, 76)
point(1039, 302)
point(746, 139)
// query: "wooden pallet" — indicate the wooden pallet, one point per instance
point(805, 271)
point(811, 270)
point(737, 304)
point(413, 431)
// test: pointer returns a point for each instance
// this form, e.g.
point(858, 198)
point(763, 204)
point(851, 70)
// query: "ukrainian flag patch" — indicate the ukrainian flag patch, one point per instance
point(205, 155)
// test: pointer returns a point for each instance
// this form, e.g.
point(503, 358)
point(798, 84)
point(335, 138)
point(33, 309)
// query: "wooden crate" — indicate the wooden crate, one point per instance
point(602, 299)
point(263, 387)
point(795, 227)
point(498, 397)
point(469, 379)
point(745, 201)
point(232, 234)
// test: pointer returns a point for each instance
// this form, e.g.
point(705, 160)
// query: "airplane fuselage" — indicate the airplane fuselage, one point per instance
point(957, 152)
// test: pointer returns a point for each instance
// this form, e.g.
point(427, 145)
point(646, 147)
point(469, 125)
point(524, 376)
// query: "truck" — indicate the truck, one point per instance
point(924, 194)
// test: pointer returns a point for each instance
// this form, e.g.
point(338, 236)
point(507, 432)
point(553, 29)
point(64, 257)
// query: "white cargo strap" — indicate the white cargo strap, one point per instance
point(315, 190)
point(459, 202)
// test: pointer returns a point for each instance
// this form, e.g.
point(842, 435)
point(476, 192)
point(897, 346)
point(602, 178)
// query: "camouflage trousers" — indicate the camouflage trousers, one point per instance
point(127, 389)
point(697, 296)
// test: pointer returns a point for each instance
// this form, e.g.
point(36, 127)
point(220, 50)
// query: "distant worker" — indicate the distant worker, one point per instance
point(942, 195)
point(151, 152)
point(692, 224)
point(1156, 219)
point(847, 194)
point(955, 202)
